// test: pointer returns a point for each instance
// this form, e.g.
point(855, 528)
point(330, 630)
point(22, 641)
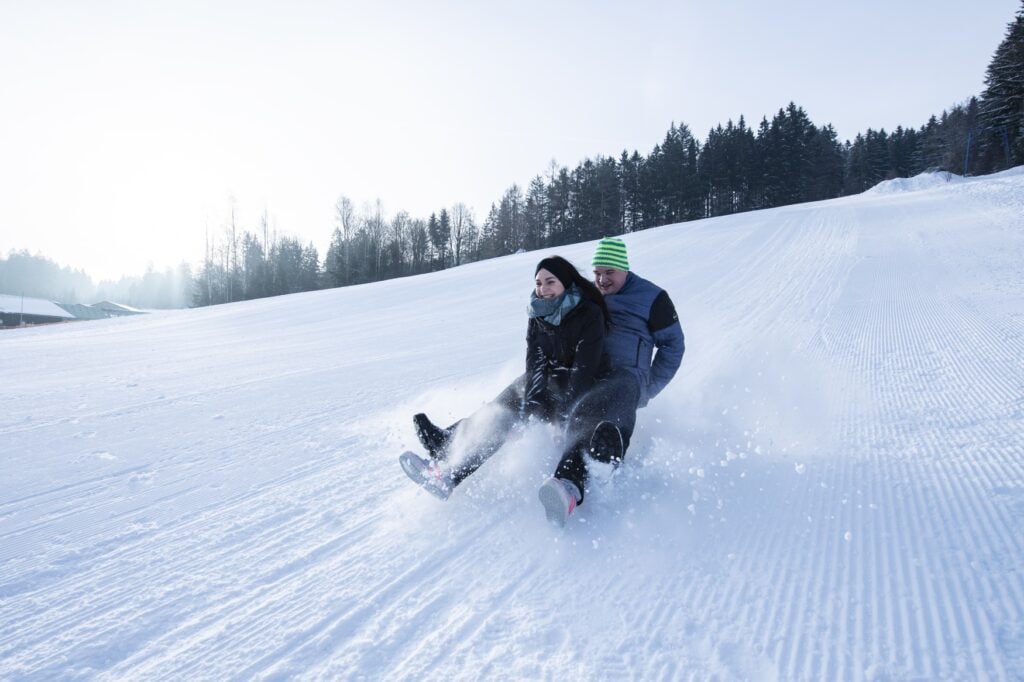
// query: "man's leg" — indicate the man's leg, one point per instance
point(617, 411)
point(613, 401)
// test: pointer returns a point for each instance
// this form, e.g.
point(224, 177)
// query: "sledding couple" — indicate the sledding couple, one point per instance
point(595, 353)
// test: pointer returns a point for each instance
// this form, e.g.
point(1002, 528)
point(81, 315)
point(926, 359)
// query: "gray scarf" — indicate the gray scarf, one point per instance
point(554, 310)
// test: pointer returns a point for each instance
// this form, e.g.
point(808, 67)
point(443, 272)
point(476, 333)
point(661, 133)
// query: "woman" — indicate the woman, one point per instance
point(565, 357)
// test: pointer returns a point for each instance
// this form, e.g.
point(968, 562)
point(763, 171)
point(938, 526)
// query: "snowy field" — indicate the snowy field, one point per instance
point(831, 489)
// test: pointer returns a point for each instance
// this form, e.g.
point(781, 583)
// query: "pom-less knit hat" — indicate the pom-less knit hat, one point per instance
point(611, 253)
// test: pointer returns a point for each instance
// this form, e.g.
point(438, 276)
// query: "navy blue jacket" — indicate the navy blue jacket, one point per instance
point(644, 319)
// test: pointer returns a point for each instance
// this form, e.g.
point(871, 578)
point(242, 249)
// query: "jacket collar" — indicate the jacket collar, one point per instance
point(630, 279)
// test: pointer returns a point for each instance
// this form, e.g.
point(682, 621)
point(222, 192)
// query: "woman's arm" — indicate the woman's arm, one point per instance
point(587, 358)
point(536, 372)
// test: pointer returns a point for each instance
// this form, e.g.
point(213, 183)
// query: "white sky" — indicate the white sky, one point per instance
point(126, 128)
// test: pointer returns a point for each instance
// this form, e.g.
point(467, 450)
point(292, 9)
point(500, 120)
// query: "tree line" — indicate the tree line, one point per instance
point(784, 160)
point(35, 276)
point(245, 266)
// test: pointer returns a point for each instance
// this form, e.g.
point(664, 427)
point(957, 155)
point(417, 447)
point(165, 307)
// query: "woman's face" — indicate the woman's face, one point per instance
point(548, 286)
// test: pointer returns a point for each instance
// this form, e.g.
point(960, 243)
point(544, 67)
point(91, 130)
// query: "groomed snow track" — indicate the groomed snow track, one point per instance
point(832, 488)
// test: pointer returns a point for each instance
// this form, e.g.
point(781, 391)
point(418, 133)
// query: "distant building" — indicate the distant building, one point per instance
point(84, 312)
point(18, 310)
point(116, 309)
point(21, 310)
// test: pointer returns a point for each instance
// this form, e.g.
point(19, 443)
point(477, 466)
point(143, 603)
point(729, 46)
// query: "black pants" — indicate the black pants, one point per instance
point(481, 434)
point(613, 399)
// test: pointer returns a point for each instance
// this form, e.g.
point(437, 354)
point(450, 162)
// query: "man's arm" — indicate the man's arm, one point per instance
point(669, 341)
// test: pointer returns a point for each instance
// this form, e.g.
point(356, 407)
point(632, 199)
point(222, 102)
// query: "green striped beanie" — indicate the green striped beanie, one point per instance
point(611, 253)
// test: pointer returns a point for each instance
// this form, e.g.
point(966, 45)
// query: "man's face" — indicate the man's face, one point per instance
point(609, 280)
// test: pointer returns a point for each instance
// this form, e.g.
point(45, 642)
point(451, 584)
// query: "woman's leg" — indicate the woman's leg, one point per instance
point(480, 435)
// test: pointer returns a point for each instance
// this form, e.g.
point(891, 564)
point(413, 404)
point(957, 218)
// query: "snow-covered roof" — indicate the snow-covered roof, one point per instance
point(84, 312)
point(112, 307)
point(32, 306)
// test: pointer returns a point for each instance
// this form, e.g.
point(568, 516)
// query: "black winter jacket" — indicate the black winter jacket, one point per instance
point(564, 361)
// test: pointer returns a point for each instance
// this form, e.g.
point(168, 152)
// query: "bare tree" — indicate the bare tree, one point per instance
point(376, 225)
point(397, 246)
point(231, 252)
point(462, 230)
point(345, 215)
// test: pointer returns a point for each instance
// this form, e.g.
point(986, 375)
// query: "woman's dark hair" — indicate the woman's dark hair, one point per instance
point(568, 275)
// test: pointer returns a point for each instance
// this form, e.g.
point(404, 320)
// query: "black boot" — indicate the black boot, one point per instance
point(435, 439)
point(607, 445)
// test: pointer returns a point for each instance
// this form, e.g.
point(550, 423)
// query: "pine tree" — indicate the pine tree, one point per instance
point(334, 263)
point(744, 166)
point(786, 151)
point(586, 203)
point(444, 234)
point(419, 245)
point(931, 145)
point(559, 194)
point(510, 221)
point(676, 192)
point(959, 126)
point(1002, 103)
point(867, 162)
point(437, 240)
point(255, 273)
point(630, 189)
point(535, 215)
point(825, 158)
point(609, 213)
point(490, 242)
point(725, 168)
point(902, 153)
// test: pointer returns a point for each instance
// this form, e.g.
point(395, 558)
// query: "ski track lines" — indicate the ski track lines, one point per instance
point(253, 562)
point(912, 486)
point(790, 274)
point(940, 433)
point(94, 511)
point(272, 546)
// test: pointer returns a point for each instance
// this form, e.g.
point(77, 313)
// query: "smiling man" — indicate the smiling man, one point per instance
point(645, 345)
point(645, 337)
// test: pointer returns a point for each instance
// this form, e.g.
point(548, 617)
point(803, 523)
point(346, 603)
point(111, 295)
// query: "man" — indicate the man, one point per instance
point(645, 346)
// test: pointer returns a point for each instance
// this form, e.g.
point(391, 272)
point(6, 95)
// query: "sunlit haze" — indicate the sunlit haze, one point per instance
point(128, 130)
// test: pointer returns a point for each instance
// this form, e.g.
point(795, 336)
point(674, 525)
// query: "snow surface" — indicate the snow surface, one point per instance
point(917, 183)
point(832, 487)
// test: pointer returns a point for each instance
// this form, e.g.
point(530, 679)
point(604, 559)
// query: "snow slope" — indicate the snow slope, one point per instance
point(832, 487)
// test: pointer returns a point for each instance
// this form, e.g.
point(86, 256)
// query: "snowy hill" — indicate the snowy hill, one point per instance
point(832, 488)
point(917, 183)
